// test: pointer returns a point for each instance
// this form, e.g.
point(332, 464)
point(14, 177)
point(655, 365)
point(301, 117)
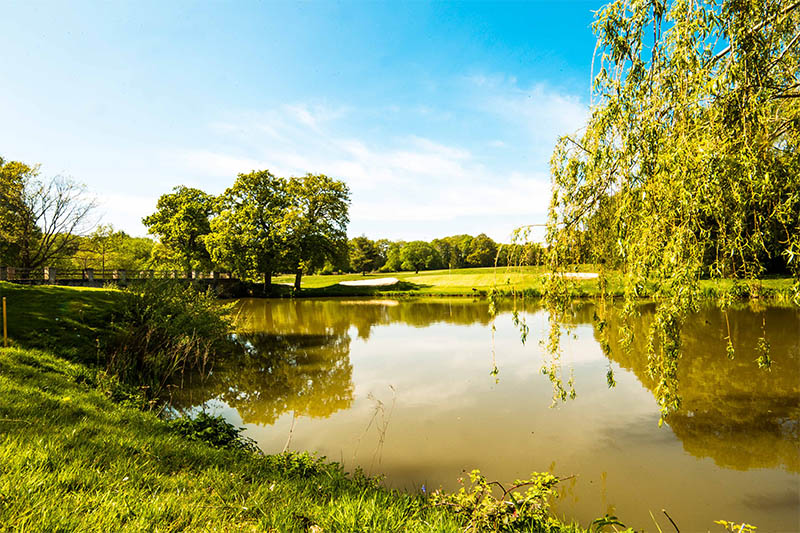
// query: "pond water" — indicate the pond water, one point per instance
point(405, 389)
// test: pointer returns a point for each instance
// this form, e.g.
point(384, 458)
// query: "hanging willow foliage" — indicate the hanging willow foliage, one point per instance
point(688, 166)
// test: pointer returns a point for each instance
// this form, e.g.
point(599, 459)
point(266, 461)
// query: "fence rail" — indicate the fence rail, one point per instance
point(90, 276)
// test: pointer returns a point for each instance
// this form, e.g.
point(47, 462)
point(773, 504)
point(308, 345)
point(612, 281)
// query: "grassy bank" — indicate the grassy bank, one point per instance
point(76, 456)
point(479, 281)
point(72, 460)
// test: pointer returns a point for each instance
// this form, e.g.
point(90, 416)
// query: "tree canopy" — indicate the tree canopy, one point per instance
point(41, 220)
point(315, 224)
point(246, 234)
point(181, 222)
point(688, 166)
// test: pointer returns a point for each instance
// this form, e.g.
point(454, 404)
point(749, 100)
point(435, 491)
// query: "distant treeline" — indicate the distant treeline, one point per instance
point(457, 251)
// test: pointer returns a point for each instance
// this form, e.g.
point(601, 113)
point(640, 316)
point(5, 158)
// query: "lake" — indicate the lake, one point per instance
point(406, 389)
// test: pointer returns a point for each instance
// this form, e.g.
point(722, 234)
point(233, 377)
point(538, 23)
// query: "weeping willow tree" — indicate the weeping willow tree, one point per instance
point(688, 166)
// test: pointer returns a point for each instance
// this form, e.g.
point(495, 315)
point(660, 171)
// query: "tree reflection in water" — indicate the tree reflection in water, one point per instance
point(741, 416)
point(296, 359)
point(305, 374)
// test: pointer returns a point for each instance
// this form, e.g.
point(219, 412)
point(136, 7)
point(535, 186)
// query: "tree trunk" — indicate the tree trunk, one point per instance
point(267, 282)
point(297, 275)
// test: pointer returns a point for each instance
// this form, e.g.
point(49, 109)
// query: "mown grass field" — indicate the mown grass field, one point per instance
point(472, 281)
point(465, 281)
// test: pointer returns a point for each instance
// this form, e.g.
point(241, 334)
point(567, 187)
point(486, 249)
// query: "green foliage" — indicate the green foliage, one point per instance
point(419, 255)
point(181, 222)
point(106, 250)
point(483, 251)
point(315, 223)
point(247, 236)
point(298, 464)
point(512, 510)
point(736, 528)
point(688, 165)
point(214, 430)
point(40, 220)
point(160, 329)
point(365, 255)
point(14, 215)
point(599, 524)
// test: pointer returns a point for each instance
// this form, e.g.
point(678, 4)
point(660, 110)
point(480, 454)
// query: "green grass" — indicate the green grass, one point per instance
point(460, 282)
point(472, 281)
point(64, 320)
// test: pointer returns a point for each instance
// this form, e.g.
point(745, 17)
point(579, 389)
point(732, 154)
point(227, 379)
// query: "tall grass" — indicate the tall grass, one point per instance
point(161, 329)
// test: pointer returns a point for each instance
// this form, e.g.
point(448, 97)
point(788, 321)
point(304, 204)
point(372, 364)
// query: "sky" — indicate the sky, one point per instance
point(440, 117)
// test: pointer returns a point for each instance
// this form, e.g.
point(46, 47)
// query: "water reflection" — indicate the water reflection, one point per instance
point(337, 316)
point(296, 359)
point(741, 416)
point(329, 360)
point(303, 373)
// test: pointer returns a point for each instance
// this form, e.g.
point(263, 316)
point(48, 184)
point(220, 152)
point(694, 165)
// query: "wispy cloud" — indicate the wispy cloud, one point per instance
point(413, 175)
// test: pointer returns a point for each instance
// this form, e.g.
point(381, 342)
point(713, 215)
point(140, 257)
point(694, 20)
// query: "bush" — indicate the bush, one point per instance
point(215, 431)
point(161, 329)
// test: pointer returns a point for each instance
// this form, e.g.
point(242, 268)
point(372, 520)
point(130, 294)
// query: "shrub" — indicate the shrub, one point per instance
point(215, 431)
point(162, 328)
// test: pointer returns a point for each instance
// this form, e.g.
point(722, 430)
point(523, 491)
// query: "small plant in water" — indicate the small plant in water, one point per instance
point(511, 510)
point(736, 528)
point(598, 524)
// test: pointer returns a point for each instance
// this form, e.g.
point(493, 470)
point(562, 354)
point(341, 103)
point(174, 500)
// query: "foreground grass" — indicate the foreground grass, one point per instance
point(479, 281)
point(71, 460)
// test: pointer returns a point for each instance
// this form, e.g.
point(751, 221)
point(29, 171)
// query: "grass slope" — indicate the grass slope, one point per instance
point(71, 460)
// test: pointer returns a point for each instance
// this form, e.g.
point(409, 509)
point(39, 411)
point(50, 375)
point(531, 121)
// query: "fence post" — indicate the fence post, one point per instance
point(120, 275)
point(214, 274)
point(50, 275)
point(11, 273)
point(3, 273)
point(88, 274)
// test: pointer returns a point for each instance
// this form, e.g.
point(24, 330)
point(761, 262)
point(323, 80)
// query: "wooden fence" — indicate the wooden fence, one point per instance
point(89, 277)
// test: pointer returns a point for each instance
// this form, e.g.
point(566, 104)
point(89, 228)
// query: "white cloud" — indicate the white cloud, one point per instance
point(413, 176)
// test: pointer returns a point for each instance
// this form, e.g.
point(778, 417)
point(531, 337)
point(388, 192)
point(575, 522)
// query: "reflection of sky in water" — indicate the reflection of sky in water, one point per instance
point(431, 361)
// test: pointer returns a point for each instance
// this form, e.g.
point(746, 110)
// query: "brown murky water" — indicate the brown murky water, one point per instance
point(403, 388)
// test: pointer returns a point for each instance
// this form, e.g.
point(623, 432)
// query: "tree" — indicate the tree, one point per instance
point(688, 165)
point(247, 235)
point(393, 262)
point(419, 255)
point(13, 178)
point(315, 224)
point(482, 251)
point(181, 222)
point(364, 255)
point(42, 220)
point(105, 249)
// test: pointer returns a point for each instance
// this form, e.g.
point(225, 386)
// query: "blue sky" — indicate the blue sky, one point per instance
point(441, 117)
